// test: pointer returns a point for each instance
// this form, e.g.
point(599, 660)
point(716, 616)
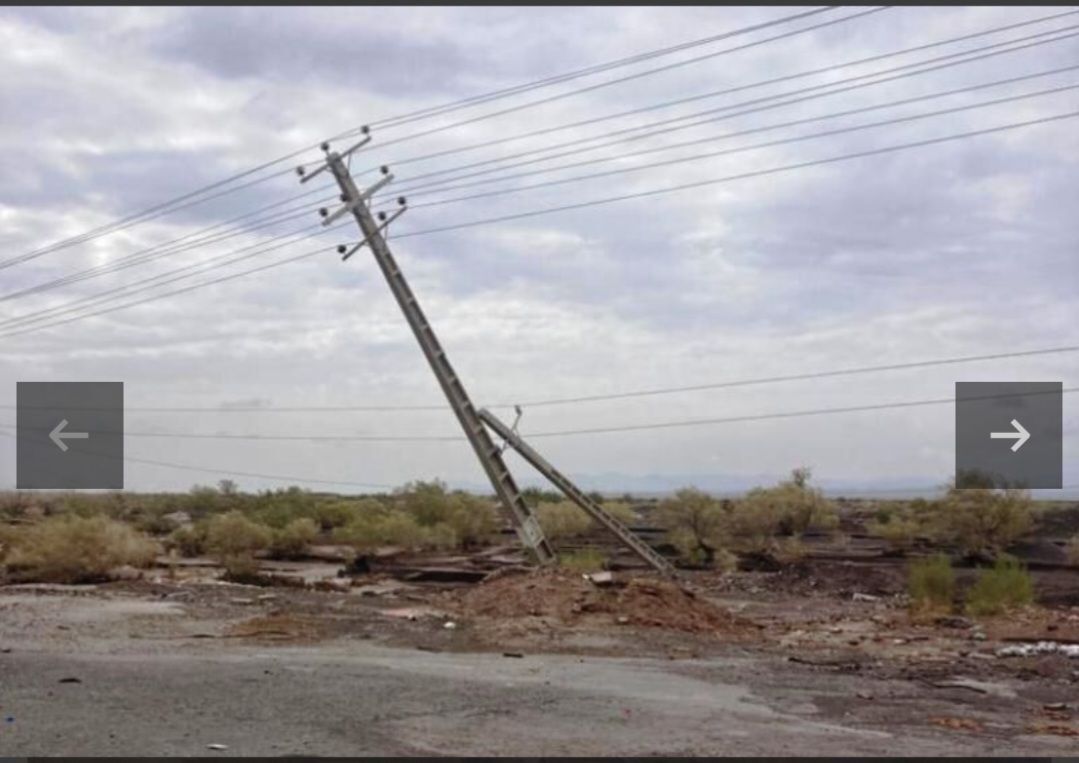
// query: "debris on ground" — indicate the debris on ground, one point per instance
point(570, 598)
point(1038, 647)
point(957, 724)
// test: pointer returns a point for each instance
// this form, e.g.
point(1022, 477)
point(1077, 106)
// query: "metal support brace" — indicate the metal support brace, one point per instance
point(575, 494)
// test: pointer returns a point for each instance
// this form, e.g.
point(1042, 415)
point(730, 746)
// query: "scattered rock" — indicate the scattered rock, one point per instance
point(449, 625)
point(954, 621)
point(266, 597)
point(217, 747)
point(865, 695)
point(71, 680)
point(242, 601)
point(857, 596)
point(516, 655)
point(600, 578)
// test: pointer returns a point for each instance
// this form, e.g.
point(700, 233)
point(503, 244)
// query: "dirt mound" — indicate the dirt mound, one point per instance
point(570, 598)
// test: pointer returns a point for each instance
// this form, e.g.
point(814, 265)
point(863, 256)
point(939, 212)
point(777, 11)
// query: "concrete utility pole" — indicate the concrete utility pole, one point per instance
point(490, 456)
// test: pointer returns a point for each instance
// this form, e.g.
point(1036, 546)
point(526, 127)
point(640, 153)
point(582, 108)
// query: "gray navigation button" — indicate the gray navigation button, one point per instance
point(1009, 434)
point(69, 435)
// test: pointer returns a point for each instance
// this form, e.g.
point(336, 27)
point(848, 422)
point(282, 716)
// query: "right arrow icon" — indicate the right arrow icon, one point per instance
point(1020, 435)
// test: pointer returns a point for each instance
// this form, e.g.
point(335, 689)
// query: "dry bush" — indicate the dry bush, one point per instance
point(294, 539)
point(1006, 585)
point(931, 584)
point(473, 520)
point(899, 532)
point(622, 511)
point(233, 540)
point(564, 519)
point(386, 527)
point(981, 521)
point(786, 510)
point(583, 560)
point(74, 549)
point(696, 524)
point(189, 540)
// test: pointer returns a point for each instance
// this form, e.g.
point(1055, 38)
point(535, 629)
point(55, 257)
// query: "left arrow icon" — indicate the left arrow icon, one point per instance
point(58, 435)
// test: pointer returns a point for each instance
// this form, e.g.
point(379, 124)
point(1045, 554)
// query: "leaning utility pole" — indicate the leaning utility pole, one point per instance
point(490, 456)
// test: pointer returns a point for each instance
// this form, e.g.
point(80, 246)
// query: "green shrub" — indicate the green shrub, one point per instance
point(390, 527)
point(294, 539)
point(233, 540)
point(980, 521)
point(899, 532)
point(332, 514)
point(73, 549)
point(931, 584)
point(788, 509)
point(696, 524)
point(472, 519)
point(1005, 586)
point(622, 511)
point(564, 519)
point(189, 540)
point(583, 560)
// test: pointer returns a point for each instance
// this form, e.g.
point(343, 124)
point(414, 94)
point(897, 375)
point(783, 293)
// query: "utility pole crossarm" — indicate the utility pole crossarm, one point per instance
point(490, 457)
point(579, 497)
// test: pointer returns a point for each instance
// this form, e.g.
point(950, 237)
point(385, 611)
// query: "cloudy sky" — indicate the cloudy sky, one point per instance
point(956, 248)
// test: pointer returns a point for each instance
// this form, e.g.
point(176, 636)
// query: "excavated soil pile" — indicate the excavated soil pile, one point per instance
point(571, 598)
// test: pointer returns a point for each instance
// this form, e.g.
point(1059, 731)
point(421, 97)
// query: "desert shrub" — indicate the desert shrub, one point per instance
point(1072, 550)
point(898, 531)
point(1006, 585)
point(622, 511)
point(564, 519)
point(278, 508)
point(389, 527)
point(931, 583)
point(189, 540)
point(696, 524)
point(582, 560)
point(73, 549)
point(294, 539)
point(788, 509)
point(472, 519)
point(333, 514)
point(980, 521)
point(233, 540)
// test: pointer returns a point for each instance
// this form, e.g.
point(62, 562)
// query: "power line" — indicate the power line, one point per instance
point(752, 147)
point(178, 245)
point(69, 307)
point(739, 133)
point(730, 90)
point(191, 198)
point(133, 259)
point(162, 279)
point(773, 416)
point(427, 113)
point(609, 200)
point(740, 176)
point(628, 78)
point(151, 254)
point(539, 403)
point(107, 267)
point(583, 431)
point(756, 105)
point(230, 472)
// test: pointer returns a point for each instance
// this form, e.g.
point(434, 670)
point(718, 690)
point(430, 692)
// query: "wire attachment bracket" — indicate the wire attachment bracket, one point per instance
point(305, 175)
